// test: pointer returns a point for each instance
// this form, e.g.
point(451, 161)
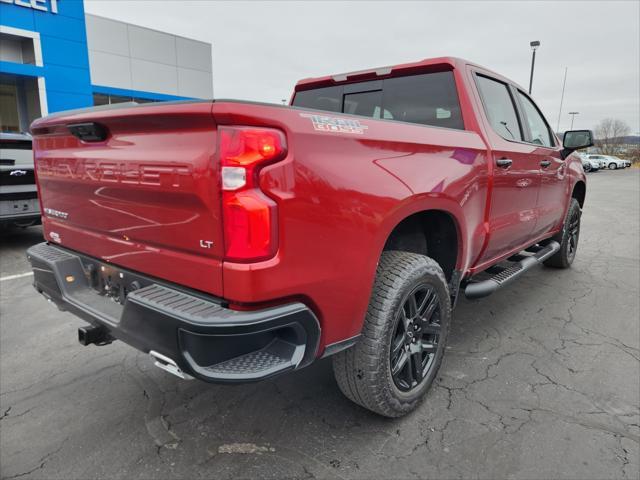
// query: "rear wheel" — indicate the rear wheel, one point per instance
point(567, 238)
point(395, 361)
point(612, 166)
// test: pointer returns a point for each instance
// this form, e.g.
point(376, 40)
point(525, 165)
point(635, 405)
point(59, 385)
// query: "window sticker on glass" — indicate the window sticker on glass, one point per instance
point(442, 113)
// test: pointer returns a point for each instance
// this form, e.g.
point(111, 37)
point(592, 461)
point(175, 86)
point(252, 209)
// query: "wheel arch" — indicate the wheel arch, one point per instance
point(430, 232)
point(579, 192)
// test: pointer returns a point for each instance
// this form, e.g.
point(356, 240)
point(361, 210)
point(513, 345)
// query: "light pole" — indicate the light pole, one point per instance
point(534, 46)
point(573, 115)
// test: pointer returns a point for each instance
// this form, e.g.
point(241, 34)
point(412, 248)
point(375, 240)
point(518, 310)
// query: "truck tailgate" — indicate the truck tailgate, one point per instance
point(145, 198)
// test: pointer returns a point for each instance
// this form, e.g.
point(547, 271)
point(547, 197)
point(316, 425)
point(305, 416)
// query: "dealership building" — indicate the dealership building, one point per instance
point(55, 57)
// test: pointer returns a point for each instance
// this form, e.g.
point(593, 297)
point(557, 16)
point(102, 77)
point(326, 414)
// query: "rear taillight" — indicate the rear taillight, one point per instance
point(250, 217)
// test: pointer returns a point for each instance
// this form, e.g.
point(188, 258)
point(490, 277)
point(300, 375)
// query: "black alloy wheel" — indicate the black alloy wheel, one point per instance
point(567, 238)
point(573, 234)
point(415, 339)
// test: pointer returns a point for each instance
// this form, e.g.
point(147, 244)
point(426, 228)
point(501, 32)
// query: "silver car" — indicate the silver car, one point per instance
point(19, 204)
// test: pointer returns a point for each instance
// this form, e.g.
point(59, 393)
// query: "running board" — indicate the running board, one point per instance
point(506, 276)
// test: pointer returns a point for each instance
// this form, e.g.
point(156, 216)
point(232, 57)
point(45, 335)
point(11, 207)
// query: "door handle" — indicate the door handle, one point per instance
point(545, 163)
point(504, 162)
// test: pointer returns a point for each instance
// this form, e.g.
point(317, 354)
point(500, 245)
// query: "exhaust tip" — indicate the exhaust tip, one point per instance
point(168, 365)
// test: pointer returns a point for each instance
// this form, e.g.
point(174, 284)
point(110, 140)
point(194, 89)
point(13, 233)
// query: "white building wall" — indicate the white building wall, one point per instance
point(127, 56)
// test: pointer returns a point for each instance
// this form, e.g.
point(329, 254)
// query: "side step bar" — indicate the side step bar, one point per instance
point(490, 285)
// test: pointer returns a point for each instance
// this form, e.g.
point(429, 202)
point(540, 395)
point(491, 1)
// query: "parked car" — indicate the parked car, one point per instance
point(597, 158)
point(625, 163)
point(18, 192)
point(589, 165)
point(234, 241)
point(608, 161)
point(620, 163)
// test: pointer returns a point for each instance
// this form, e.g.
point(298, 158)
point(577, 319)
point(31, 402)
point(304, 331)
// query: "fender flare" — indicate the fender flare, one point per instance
point(423, 203)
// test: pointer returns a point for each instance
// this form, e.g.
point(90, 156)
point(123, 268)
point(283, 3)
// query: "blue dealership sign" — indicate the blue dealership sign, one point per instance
point(57, 28)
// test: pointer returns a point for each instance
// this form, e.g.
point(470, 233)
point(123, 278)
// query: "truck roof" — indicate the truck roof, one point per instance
point(428, 64)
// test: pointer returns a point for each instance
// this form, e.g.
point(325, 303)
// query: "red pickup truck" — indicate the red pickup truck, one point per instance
point(234, 241)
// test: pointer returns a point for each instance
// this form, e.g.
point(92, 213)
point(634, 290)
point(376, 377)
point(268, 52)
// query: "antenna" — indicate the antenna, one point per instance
point(562, 97)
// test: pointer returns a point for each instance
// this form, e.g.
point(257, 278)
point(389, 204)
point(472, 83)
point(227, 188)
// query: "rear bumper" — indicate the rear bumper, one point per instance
point(197, 332)
point(18, 207)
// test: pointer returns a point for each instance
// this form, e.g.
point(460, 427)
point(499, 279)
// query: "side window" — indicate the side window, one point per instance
point(429, 99)
point(540, 133)
point(499, 108)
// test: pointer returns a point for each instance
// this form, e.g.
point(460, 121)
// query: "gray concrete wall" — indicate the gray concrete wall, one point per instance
point(127, 56)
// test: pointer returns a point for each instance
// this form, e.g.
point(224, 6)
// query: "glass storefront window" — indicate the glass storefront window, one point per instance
point(102, 99)
point(9, 108)
point(19, 102)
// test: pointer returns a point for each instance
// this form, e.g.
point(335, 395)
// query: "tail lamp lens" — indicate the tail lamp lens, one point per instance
point(249, 225)
point(250, 217)
point(248, 146)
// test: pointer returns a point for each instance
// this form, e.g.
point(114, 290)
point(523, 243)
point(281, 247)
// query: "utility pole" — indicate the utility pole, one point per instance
point(562, 97)
point(534, 46)
point(573, 115)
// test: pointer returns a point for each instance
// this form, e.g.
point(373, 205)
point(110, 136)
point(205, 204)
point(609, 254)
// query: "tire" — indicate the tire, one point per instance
point(364, 372)
point(612, 166)
point(567, 238)
point(587, 168)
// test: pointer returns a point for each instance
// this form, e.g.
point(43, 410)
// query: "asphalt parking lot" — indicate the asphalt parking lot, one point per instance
point(541, 380)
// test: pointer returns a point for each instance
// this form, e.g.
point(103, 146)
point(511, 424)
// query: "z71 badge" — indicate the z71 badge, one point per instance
point(325, 123)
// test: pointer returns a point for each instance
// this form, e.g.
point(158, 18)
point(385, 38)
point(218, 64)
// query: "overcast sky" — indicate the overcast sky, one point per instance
point(260, 49)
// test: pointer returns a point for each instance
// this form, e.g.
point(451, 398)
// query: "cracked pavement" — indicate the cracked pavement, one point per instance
point(540, 380)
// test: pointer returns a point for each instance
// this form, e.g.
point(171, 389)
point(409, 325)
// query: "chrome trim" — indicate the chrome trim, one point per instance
point(168, 365)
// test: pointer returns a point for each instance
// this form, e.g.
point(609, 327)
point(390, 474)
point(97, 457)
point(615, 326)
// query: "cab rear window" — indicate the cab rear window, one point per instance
point(427, 99)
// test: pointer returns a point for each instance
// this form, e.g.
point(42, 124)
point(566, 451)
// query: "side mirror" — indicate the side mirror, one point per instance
point(576, 139)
